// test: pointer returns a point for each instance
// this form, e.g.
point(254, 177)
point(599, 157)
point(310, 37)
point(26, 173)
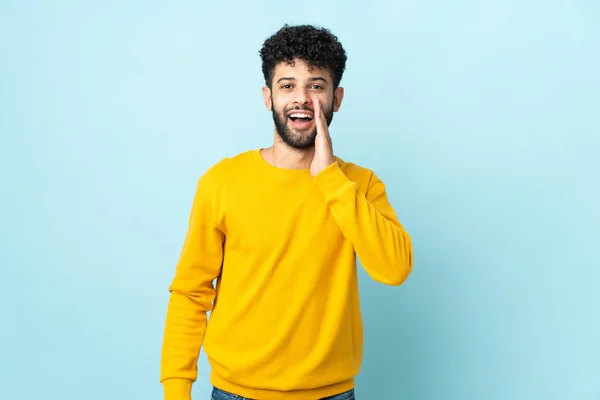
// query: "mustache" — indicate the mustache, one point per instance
point(299, 108)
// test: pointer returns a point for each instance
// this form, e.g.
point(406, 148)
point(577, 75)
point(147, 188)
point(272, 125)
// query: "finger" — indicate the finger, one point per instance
point(317, 107)
point(318, 114)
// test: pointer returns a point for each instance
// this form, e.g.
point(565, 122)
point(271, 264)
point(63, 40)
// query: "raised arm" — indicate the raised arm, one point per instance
point(368, 220)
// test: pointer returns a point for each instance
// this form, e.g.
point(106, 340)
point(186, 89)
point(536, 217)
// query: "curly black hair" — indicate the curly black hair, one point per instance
point(318, 47)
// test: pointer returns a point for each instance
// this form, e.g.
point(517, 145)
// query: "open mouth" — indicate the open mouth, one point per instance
point(301, 120)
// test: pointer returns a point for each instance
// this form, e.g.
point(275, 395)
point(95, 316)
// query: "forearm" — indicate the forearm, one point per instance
point(382, 245)
point(184, 332)
point(192, 297)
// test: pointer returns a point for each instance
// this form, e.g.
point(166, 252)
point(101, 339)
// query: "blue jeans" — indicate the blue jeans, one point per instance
point(218, 394)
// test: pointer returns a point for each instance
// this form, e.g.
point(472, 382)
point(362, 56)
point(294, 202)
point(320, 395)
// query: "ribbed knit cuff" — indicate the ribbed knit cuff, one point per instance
point(177, 389)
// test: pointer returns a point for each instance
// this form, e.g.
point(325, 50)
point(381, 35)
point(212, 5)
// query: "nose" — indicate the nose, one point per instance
point(302, 96)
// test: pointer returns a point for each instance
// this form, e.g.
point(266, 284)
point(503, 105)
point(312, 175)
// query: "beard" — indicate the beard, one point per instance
point(292, 137)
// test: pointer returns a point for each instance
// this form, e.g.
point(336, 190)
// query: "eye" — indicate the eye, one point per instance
point(286, 86)
point(317, 87)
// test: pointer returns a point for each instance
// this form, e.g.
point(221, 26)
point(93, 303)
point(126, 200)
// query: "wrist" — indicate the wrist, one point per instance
point(177, 389)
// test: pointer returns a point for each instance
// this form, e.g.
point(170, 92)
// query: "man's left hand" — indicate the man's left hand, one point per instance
point(323, 146)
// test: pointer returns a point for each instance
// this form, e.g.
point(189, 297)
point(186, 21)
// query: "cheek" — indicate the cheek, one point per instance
point(280, 99)
point(278, 105)
point(327, 100)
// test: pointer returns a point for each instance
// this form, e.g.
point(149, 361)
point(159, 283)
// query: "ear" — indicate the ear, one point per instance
point(266, 92)
point(338, 96)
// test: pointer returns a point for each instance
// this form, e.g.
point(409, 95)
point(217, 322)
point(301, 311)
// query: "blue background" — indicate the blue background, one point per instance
point(481, 116)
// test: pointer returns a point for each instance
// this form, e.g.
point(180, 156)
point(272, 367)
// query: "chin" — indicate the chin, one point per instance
point(299, 141)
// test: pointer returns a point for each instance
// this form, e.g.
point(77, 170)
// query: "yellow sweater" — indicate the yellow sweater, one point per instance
point(282, 246)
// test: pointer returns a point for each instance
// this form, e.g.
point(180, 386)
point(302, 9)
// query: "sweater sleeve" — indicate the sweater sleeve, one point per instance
point(192, 293)
point(368, 220)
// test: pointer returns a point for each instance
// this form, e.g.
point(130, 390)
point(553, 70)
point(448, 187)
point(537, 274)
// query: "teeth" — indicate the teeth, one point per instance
point(300, 115)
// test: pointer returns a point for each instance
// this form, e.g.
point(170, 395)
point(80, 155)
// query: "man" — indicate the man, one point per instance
point(280, 229)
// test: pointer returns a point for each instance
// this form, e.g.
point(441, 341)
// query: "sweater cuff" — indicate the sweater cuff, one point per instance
point(333, 182)
point(177, 389)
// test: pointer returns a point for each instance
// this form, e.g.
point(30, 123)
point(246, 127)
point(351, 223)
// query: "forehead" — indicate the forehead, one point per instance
point(299, 69)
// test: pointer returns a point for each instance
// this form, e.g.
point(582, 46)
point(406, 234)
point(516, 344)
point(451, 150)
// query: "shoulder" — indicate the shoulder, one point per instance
point(226, 168)
point(212, 182)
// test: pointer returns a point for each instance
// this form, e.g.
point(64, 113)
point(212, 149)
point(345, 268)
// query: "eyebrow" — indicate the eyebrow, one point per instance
point(313, 79)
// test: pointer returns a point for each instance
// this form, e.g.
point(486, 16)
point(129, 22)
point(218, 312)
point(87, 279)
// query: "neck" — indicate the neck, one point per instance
point(281, 155)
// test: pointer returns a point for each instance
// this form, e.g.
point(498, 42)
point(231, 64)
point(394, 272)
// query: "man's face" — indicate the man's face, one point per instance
point(291, 101)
